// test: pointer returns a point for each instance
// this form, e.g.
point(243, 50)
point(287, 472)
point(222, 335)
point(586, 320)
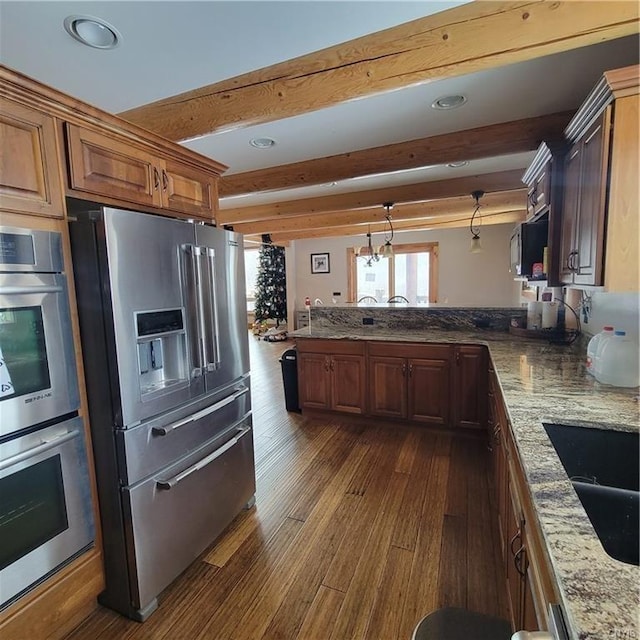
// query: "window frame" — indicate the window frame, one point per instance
point(431, 248)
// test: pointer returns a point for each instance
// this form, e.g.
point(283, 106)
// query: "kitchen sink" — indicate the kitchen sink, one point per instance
point(597, 456)
point(603, 466)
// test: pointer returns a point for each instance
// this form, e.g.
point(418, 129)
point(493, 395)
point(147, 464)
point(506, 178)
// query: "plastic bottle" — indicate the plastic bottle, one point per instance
point(592, 348)
point(619, 362)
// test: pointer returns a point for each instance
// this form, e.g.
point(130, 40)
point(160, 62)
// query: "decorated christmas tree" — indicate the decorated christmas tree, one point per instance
point(271, 285)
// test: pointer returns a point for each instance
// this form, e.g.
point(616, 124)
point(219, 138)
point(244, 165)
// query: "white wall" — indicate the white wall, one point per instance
point(621, 310)
point(464, 278)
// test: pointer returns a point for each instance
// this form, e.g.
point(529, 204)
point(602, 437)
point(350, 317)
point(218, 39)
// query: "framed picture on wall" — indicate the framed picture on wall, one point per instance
point(319, 263)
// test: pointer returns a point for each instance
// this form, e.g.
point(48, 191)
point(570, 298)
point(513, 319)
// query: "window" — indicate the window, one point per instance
point(412, 272)
point(251, 262)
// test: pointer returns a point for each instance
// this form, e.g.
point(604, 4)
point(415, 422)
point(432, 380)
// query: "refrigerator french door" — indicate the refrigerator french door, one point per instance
point(163, 322)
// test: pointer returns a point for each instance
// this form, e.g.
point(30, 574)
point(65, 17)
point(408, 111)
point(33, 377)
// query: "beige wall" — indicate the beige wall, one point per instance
point(464, 278)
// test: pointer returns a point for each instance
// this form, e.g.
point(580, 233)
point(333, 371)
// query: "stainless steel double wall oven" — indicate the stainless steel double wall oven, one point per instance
point(46, 516)
point(163, 324)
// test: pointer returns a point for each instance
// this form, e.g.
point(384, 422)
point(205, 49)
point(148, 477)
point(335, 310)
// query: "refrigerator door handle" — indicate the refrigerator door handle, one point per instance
point(163, 431)
point(172, 482)
point(193, 300)
point(211, 329)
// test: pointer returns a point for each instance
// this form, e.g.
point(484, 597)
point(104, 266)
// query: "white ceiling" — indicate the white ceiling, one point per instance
point(171, 47)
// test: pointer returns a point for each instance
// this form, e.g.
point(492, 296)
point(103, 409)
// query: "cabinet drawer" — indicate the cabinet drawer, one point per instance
point(425, 351)
point(338, 347)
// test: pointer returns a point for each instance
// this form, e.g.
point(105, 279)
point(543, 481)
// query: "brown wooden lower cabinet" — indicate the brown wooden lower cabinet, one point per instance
point(437, 384)
point(410, 381)
point(331, 375)
point(526, 568)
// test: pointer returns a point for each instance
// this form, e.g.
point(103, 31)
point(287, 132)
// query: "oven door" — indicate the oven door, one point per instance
point(46, 515)
point(37, 361)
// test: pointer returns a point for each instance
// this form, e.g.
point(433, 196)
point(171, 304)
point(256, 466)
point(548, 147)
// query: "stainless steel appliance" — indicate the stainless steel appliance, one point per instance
point(46, 513)
point(38, 379)
point(46, 516)
point(163, 324)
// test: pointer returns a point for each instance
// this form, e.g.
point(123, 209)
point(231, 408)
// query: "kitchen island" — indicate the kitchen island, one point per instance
point(547, 383)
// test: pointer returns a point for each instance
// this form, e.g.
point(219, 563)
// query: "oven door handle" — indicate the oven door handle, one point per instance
point(163, 431)
point(172, 482)
point(11, 291)
point(40, 448)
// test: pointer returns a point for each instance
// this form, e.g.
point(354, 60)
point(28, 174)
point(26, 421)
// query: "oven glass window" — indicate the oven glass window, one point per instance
point(32, 509)
point(23, 354)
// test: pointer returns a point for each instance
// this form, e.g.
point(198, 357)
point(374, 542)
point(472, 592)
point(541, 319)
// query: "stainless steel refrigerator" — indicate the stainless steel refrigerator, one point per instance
point(164, 335)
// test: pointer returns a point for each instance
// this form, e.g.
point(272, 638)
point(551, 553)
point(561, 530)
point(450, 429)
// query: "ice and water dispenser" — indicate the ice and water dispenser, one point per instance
point(162, 350)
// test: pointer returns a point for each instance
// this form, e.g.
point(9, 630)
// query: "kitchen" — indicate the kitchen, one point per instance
point(63, 114)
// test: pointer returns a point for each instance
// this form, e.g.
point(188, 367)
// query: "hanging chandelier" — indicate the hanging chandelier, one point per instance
point(476, 223)
point(386, 250)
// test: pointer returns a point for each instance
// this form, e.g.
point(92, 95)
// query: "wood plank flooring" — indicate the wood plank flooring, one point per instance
point(359, 530)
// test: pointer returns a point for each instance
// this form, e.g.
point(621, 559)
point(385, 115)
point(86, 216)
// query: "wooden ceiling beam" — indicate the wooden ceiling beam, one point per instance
point(445, 222)
point(491, 203)
point(488, 182)
point(466, 39)
point(472, 144)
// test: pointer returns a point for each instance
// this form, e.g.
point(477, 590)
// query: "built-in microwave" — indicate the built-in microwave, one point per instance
point(38, 379)
point(528, 242)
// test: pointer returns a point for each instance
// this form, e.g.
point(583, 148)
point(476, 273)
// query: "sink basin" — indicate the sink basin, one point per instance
point(597, 456)
point(603, 466)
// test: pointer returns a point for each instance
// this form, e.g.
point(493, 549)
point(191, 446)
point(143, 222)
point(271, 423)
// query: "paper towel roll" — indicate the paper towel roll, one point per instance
point(549, 315)
point(534, 315)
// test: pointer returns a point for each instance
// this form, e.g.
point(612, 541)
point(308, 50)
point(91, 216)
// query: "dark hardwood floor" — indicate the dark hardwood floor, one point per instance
point(359, 530)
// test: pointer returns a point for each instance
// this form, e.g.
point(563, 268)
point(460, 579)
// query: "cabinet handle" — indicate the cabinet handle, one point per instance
point(533, 198)
point(404, 369)
point(326, 364)
point(457, 357)
point(165, 180)
point(410, 370)
point(331, 364)
point(156, 178)
point(516, 536)
point(575, 264)
point(517, 559)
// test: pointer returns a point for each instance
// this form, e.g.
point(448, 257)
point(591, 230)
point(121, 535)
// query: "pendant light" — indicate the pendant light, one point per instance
point(475, 223)
point(386, 250)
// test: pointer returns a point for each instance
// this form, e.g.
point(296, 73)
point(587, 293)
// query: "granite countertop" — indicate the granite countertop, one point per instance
point(548, 383)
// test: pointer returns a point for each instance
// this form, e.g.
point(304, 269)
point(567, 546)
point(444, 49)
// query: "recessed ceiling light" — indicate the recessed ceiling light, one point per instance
point(448, 102)
point(94, 32)
point(455, 165)
point(262, 143)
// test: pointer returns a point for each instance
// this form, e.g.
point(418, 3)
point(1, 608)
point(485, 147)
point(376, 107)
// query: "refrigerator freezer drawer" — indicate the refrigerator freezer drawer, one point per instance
point(180, 511)
point(155, 444)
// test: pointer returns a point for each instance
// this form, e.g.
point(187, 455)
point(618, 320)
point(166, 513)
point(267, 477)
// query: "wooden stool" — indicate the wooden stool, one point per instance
point(460, 624)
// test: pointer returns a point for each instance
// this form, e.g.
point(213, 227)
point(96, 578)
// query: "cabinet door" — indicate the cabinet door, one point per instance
point(538, 196)
point(313, 380)
point(186, 189)
point(30, 178)
point(470, 387)
point(570, 205)
point(347, 383)
point(101, 165)
point(589, 237)
point(429, 385)
point(388, 386)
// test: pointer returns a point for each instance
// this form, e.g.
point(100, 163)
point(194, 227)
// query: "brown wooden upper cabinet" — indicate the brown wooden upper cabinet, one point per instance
point(584, 205)
point(106, 166)
point(30, 178)
point(331, 375)
point(410, 381)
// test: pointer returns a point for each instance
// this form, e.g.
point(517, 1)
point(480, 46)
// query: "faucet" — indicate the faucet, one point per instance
point(317, 302)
